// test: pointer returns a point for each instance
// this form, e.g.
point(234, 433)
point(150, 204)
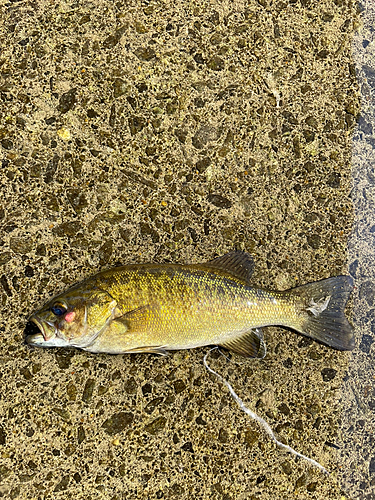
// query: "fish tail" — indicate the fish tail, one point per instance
point(320, 312)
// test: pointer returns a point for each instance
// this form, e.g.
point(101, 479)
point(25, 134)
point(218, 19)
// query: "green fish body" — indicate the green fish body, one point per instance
point(157, 308)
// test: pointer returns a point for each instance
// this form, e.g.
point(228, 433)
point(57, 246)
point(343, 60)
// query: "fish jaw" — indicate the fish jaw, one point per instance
point(37, 340)
point(48, 335)
point(47, 329)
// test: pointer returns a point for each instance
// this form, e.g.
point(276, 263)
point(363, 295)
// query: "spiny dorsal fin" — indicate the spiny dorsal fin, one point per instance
point(250, 344)
point(239, 264)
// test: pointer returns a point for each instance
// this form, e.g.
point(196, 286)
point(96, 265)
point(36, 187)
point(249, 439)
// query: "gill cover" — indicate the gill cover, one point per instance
point(86, 314)
point(94, 313)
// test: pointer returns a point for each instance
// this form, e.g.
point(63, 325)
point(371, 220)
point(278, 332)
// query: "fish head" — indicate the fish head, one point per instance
point(73, 319)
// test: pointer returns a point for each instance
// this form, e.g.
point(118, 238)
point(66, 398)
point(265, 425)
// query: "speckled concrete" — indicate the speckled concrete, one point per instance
point(171, 132)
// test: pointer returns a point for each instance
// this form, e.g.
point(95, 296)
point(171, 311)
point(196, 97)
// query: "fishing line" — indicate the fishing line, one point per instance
point(258, 419)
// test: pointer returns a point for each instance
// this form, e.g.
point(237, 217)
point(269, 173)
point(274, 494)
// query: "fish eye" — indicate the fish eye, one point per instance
point(58, 309)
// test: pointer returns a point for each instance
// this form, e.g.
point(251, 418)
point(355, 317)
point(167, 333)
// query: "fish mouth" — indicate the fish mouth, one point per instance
point(38, 332)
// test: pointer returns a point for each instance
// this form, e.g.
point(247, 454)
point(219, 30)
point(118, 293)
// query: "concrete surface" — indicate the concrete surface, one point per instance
point(357, 474)
point(171, 131)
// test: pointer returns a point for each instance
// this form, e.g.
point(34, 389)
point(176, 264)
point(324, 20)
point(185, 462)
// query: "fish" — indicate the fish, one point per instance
point(156, 308)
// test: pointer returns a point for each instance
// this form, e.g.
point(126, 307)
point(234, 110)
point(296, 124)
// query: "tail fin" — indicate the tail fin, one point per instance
point(321, 314)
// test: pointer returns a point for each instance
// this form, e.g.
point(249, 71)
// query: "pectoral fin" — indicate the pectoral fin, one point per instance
point(136, 320)
point(249, 344)
point(126, 333)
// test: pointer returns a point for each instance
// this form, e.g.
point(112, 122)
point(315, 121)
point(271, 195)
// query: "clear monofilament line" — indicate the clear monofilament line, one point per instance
point(260, 420)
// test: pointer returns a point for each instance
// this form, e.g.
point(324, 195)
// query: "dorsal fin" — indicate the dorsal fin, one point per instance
point(239, 264)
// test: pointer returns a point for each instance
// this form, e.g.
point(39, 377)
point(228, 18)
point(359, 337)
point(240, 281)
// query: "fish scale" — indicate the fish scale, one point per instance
point(194, 303)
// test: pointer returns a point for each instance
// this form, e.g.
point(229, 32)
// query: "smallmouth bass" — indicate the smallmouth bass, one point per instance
point(156, 308)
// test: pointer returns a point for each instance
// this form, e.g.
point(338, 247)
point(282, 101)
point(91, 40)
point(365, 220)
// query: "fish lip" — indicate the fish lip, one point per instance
point(37, 321)
point(41, 325)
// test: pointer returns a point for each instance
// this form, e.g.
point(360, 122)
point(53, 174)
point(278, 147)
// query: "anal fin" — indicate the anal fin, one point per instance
point(136, 320)
point(250, 344)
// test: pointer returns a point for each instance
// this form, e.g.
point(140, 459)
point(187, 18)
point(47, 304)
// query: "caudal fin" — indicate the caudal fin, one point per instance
point(321, 314)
